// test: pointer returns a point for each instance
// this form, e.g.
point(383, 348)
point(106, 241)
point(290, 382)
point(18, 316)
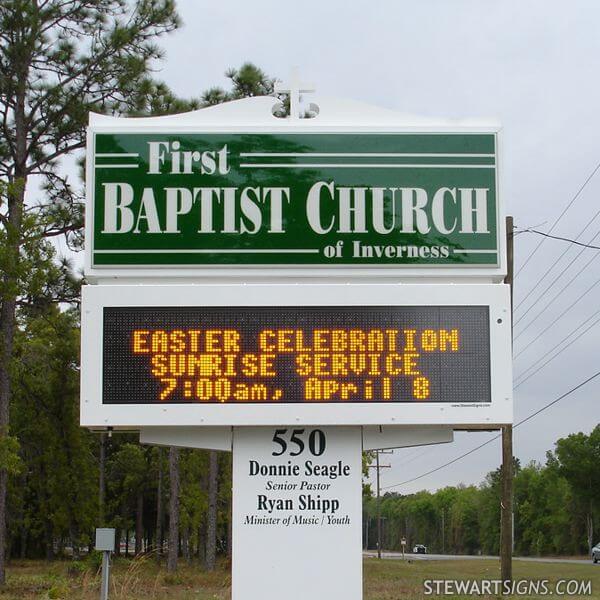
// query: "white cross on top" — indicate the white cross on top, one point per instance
point(294, 89)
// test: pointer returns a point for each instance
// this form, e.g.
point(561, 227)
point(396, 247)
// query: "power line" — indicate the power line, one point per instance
point(413, 458)
point(387, 487)
point(411, 452)
point(559, 343)
point(555, 263)
point(562, 314)
point(553, 299)
point(562, 214)
point(557, 354)
point(528, 418)
point(563, 239)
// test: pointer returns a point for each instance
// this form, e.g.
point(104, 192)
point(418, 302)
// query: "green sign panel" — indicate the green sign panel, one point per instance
point(386, 199)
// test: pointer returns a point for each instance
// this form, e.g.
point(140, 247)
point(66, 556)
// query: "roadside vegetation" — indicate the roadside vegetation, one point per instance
point(557, 508)
point(141, 578)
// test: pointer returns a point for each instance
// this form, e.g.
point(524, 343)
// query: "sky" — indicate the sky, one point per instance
point(533, 67)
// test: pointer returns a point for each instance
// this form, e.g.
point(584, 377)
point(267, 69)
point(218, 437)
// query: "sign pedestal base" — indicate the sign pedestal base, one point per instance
point(297, 513)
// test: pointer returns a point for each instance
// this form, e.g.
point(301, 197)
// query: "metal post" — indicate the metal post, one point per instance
point(105, 575)
point(105, 543)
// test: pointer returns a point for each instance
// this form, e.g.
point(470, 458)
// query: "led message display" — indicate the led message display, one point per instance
point(270, 355)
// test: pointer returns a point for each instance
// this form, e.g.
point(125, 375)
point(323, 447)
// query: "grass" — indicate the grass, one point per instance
point(143, 579)
point(395, 579)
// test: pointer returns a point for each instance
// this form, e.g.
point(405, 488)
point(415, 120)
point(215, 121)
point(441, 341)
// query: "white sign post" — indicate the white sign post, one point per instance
point(297, 512)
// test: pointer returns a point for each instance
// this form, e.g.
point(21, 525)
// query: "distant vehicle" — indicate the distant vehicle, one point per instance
point(596, 553)
point(420, 549)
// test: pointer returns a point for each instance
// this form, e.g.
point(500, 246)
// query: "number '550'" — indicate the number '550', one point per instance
point(294, 443)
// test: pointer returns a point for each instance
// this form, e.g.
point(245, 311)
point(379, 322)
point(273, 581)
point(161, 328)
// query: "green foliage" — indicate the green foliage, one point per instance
point(9, 454)
point(193, 467)
point(576, 458)
point(58, 591)
point(552, 508)
point(247, 81)
point(38, 278)
point(172, 579)
point(55, 495)
point(367, 459)
point(59, 61)
point(127, 470)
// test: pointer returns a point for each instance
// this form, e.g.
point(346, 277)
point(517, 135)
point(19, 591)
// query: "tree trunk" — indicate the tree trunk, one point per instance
point(16, 198)
point(24, 525)
point(185, 542)
point(159, 507)
point(590, 529)
point(173, 510)
point(74, 539)
point(127, 543)
point(117, 542)
point(49, 541)
point(139, 523)
point(7, 330)
point(211, 529)
point(201, 544)
point(23, 548)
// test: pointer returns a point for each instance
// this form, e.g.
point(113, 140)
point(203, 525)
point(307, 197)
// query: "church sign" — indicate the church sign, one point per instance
point(293, 199)
point(295, 291)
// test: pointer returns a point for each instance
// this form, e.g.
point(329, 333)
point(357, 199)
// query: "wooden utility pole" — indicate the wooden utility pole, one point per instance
point(506, 503)
point(378, 467)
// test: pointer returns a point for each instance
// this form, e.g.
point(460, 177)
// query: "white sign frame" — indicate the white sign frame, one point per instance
point(94, 414)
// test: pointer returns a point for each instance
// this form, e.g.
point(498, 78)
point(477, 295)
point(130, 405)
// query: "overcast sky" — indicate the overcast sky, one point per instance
point(532, 65)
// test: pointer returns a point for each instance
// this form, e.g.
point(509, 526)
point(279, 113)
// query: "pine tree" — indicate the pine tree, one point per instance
point(173, 549)
point(211, 529)
point(59, 59)
point(53, 497)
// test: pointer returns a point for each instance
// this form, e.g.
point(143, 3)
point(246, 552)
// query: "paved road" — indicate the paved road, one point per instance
point(410, 556)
